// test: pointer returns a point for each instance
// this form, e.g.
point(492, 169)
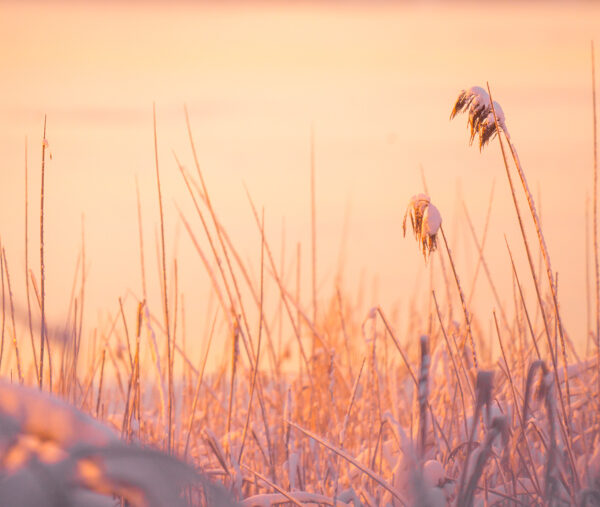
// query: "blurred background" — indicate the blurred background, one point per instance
point(375, 81)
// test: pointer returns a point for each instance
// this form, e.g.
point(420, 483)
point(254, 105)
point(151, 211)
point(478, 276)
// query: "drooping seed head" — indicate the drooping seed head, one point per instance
point(481, 122)
point(425, 220)
point(416, 207)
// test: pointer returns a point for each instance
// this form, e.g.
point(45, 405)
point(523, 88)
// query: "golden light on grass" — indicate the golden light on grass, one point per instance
point(272, 388)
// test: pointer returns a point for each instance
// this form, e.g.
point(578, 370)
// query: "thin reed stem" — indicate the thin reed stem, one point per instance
point(480, 257)
point(164, 289)
point(588, 311)
point(553, 352)
point(249, 346)
point(235, 353)
point(454, 366)
point(99, 397)
point(282, 291)
point(12, 317)
point(531, 332)
point(140, 238)
point(42, 267)
point(530, 261)
point(260, 320)
point(29, 322)
point(595, 214)
point(543, 249)
point(313, 225)
point(197, 390)
point(462, 300)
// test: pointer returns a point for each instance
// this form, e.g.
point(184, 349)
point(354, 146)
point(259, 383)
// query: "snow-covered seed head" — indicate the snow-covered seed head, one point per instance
point(425, 220)
point(481, 122)
point(416, 207)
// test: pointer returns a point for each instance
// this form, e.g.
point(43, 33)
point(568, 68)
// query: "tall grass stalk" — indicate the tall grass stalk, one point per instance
point(313, 226)
point(595, 214)
point(482, 262)
point(197, 389)
point(529, 325)
point(246, 337)
point(79, 331)
point(206, 196)
point(589, 334)
point(260, 321)
point(553, 352)
point(536, 284)
point(164, 290)
point(480, 256)
point(454, 366)
point(542, 243)
point(235, 354)
point(240, 264)
point(30, 324)
point(294, 323)
point(12, 317)
point(462, 301)
point(99, 397)
point(42, 267)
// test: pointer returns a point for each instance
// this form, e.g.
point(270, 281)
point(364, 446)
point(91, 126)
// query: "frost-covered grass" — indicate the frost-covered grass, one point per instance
point(346, 412)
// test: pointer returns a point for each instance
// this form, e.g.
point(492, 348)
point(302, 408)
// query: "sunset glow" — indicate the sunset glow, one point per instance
point(361, 92)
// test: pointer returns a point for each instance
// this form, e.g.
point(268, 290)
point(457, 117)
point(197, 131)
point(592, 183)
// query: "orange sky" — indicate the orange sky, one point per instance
point(377, 82)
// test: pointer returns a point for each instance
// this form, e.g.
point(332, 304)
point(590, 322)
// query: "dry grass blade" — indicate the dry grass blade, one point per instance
point(12, 316)
point(27, 290)
point(287, 495)
point(197, 390)
point(595, 220)
point(164, 291)
point(270, 500)
point(374, 476)
point(462, 301)
point(42, 267)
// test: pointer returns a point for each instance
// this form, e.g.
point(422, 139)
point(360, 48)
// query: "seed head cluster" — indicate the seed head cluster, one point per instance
point(476, 102)
point(425, 220)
